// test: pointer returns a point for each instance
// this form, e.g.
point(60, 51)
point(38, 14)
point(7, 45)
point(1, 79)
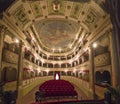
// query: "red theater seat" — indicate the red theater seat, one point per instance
point(54, 88)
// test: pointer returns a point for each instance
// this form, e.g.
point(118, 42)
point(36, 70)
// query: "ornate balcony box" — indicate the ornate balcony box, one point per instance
point(9, 56)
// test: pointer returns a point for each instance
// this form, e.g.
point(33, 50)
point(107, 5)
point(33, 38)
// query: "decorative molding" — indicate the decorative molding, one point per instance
point(36, 9)
point(102, 60)
point(10, 57)
point(21, 16)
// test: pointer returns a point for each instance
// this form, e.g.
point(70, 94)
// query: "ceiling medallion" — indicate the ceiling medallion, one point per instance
point(56, 5)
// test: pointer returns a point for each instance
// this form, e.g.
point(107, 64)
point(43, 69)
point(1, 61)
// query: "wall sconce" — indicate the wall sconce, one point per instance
point(56, 5)
point(16, 40)
point(94, 45)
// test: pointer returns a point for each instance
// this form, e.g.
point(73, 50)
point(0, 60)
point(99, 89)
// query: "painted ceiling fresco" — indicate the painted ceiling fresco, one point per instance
point(53, 20)
point(29, 10)
point(57, 33)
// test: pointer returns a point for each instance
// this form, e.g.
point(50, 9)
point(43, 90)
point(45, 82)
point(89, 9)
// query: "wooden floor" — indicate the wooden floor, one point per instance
point(30, 97)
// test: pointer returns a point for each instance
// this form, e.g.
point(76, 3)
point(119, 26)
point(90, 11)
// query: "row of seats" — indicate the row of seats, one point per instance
point(57, 82)
point(60, 93)
point(54, 88)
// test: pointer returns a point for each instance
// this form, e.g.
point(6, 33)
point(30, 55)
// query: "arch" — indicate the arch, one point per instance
point(73, 73)
point(40, 63)
point(80, 60)
point(106, 77)
point(63, 73)
point(9, 74)
point(32, 74)
point(13, 74)
point(80, 75)
point(44, 73)
point(103, 77)
point(40, 74)
point(27, 54)
point(77, 73)
point(50, 73)
point(68, 65)
point(4, 74)
point(33, 59)
point(36, 73)
point(85, 75)
point(69, 73)
point(63, 65)
point(44, 64)
point(56, 65)
point(26, 73)
point(50, 65)
point(37, 61)
point(98, 77)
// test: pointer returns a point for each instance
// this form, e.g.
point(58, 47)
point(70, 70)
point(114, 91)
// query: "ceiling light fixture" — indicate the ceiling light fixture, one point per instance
point(16, 41)
point(94, 45)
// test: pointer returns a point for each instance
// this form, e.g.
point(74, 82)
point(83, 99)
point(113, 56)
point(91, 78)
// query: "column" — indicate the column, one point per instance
point(65, 73)
point(92, 75)
point(42, 64)
point(47, 57)
point(114, 61)
point(60, 65)
point(53, 65)
point(20, 70)
point(66, 65)
point(74, 73)
point(2, 34)
point(47, 65)
point(115, 41)
point(41, 73)
point(78, 61)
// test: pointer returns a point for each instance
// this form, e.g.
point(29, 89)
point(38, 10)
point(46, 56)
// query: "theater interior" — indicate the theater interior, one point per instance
point(59, 52)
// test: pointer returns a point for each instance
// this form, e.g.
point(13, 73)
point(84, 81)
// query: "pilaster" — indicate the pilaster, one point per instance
point(20, 70)
point(114, 61)
point(91, 74)
point(2, 34)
